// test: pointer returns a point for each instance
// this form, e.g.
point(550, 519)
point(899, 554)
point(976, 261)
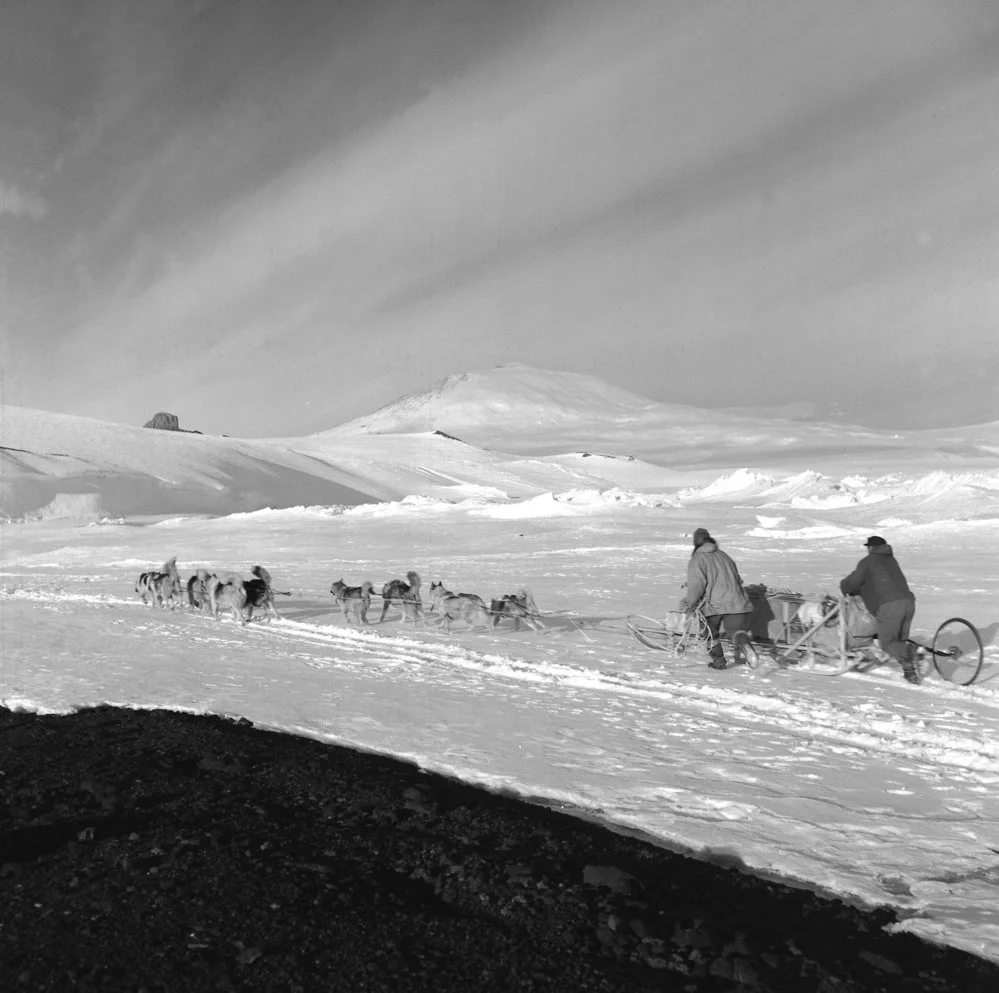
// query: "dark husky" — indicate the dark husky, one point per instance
point(161, 586)
point(450, 606)
point(520, 606)
point(197, 590)
point(260, 593)
point(353, 600)
point(406, 594)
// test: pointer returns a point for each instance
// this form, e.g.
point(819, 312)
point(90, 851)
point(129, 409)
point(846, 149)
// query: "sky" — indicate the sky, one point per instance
point(270, 218)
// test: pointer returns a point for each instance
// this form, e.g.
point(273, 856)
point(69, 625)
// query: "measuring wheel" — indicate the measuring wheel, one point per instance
point(957, 651)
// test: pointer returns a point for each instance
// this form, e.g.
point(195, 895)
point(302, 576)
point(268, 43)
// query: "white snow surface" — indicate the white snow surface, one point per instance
point(861, 785)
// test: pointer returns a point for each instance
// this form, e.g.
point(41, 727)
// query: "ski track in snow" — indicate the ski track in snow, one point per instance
point(867, 727)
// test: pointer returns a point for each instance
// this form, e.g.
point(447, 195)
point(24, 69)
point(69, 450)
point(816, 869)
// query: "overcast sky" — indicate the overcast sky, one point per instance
point(270, 217)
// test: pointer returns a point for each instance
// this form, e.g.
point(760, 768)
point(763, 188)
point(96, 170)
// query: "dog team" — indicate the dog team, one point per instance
point(206, 591)
point(355, 601)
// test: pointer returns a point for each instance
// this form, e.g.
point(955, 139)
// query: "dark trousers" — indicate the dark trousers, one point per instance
point(731, 623)
point(894, 620)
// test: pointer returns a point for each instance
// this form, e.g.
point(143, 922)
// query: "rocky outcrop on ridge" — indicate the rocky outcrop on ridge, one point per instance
point(168, 422)
point(163, 422)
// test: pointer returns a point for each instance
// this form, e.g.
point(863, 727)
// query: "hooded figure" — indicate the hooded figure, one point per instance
point(879, 582)
point(715, 587)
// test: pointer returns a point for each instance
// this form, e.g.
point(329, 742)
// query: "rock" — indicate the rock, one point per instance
point(880, 962)
point(163, 422)
point(610, 876)
point(722, 968)
point(693, 937)
point(519, 870)
point(418, 800)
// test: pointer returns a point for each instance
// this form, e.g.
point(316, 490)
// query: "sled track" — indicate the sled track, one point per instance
point(873, 730)
point(838, 727)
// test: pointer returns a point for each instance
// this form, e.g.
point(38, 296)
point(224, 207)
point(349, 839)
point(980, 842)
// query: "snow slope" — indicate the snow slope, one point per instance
point(56, 465)
point(60, 465)
point(523, 432)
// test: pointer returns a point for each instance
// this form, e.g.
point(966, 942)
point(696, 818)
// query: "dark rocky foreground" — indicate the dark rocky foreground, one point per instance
point(160, 851)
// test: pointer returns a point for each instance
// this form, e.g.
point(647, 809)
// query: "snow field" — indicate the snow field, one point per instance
point(860, 785)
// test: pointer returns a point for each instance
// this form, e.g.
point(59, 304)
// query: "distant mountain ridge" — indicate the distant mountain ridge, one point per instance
point(520, 394)
point(522, 409)
point(509, 433)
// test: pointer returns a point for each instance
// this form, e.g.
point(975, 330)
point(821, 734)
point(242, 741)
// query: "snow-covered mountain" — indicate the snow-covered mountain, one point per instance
point(530, 411)
point(510, 433)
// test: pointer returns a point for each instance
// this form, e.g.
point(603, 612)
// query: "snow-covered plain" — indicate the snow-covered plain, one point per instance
point(859, 785)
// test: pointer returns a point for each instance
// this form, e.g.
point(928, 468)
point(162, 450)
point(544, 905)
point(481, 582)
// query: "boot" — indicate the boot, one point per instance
point(717, 654)
point(741, 648)
point(910, 672)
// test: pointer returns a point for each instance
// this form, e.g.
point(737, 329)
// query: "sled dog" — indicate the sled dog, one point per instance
point(406, 594)
point(519, 606)
point(160, 587)
point(450, 606)
point(353, 600)
point(197, 589)
point(212, 591)
point(260, 593)
point(228, 594)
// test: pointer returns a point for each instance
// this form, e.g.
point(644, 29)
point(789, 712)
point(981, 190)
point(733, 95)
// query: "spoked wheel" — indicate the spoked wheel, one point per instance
point(957, 651)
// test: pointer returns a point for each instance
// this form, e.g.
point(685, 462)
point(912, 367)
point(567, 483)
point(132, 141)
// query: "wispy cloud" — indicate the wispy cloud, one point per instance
point(639, 191)
point(19, 203)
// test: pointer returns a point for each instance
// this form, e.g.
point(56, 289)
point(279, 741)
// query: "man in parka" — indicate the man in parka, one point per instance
point(879, 582)
point(715, 586)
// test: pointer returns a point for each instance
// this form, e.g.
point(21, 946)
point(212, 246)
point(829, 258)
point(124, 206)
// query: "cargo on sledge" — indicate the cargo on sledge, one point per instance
point(828, 635)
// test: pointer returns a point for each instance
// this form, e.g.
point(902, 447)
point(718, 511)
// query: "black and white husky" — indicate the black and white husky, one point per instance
point(406, 594)
point(240, 595)
point(519, 606)
point(353, 600)
point(160, 588)
point(467, 607)
point(260, 593)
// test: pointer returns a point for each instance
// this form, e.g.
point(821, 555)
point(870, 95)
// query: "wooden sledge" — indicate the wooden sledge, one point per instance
point(812, 640)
